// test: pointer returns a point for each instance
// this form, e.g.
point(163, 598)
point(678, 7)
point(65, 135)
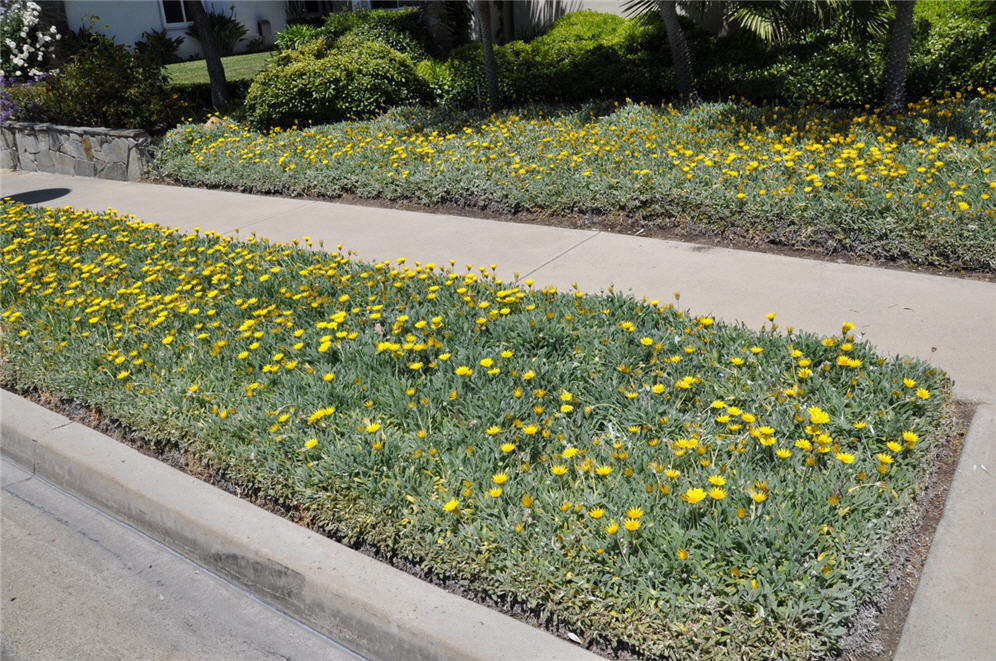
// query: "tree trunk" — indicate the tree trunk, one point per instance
point(483, 10)
point(894, 92)
point(209, 45)
point(681, 59)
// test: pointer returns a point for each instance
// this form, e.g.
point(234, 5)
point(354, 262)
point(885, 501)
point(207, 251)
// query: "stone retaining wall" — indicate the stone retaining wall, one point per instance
point(77, 150)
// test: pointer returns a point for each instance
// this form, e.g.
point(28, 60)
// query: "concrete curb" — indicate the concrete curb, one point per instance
point(954, 609)
point(371, 608)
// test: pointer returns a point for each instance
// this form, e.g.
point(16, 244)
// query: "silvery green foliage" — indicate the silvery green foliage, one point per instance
point(26, 44)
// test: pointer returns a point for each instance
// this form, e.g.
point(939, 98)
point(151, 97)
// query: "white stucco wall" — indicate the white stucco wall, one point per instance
point(126, 20)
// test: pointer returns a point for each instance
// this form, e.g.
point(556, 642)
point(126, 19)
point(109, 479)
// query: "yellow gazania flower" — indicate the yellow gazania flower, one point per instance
point(499, 478)
point(310, 443)
point(631, 525)
point(612, 528)
point(603, 470)
point(717, 494)
point(818, 416)
point(451, 505)
point(596, 512)
point(495, 492)
point(759, 497)
point(845, 457)
point(694, 496)
point(373, 428)
point(717, 480)
point(558, 470)
point(634, 513)
point(507, 447)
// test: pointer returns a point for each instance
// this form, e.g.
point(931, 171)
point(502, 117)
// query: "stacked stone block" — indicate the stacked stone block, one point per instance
point(120, 154)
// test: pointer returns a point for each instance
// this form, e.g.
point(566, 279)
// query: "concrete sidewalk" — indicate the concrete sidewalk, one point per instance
point(947, 321)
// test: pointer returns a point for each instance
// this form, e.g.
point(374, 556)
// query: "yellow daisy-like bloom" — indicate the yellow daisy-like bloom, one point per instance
point(885, 458)
point(373, 428)
point(717, 494)
point(759, 497)
point(603, 470)
point(529, 430)
point(682, 554)
point(818, 416)
point(507, 447)
point(328, 376)
point(463, 370)
point(528, 375)
point(694, 496)
point(783, 453)
point(717, 480)
point(634, 513)
point(569, 453)
point(559, 470)
point(894, 446)
point(923, 393)
point(909, 383)
point(310, 443)
point(673, 474)
point(631, 525)
point(646, 341)
point(451, 505)
point(493, 430)
point(612, 528)
point(845, 457)
point(910, 437)
point(718, 404)
point(499, 478)
point(495, 492)
point(596, 512)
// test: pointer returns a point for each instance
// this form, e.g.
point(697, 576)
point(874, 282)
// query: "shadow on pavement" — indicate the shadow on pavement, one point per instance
point(38, 196)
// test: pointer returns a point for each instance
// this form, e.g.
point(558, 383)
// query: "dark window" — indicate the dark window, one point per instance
point(173, 11)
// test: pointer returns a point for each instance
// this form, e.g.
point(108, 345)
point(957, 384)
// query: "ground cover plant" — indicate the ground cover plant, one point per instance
point(916, 187)
point(635, 473)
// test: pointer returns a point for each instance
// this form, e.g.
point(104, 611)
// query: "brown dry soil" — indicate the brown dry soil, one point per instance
point(874, 635)
point(631, 223)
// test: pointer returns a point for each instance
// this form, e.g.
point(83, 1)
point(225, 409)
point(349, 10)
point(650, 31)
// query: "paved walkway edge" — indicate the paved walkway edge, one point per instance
point(371, 608)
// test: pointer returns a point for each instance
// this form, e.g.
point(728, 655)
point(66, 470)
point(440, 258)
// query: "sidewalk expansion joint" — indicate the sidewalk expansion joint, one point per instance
point(558, 256)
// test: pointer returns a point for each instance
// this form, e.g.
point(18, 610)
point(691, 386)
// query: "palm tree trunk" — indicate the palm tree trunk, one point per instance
point(894, 91)
point(681, 59)
point(209, 45)
point(483, 10)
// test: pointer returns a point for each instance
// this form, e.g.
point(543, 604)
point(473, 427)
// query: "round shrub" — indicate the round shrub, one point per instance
point(354, 85)
point(403, 42)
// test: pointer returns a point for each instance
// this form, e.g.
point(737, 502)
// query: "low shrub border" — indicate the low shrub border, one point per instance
point(651, 478)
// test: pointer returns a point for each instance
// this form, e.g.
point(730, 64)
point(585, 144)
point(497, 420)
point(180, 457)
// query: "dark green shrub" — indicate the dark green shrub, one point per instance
point(953, 47)
point(339, 86)
point(227, 30)
point(159, 47)
point(296, 36)
point(106, 85)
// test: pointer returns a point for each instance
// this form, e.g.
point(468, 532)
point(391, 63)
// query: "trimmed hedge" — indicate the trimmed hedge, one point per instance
point(334, 87)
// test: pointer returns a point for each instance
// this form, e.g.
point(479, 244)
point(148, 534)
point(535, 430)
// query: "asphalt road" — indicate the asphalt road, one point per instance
point(77, 584)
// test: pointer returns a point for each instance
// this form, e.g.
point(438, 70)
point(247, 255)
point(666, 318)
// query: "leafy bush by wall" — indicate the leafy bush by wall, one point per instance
point(104, 84)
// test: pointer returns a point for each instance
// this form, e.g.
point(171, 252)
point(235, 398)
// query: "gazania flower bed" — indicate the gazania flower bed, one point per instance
point(637, 474)
point(917, 187)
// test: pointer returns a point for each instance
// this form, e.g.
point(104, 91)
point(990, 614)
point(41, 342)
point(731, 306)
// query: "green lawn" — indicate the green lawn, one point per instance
point(237, 67)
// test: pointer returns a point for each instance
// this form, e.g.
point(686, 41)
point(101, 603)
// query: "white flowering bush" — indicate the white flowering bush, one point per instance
point(26, 44)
